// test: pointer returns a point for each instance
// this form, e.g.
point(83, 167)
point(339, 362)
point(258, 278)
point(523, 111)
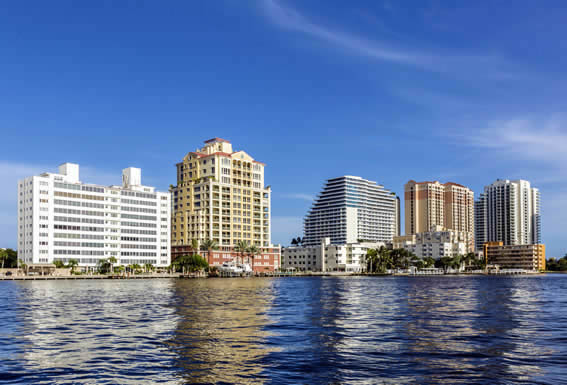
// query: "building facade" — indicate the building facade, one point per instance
point(449, 205)
point(525, 257)
point(220, 195)
point(508, 212)
point(349, 210)
point(61, 218)
point(436, 243)
point(325, 257)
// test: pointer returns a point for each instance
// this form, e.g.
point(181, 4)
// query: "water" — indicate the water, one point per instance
point(363, 330)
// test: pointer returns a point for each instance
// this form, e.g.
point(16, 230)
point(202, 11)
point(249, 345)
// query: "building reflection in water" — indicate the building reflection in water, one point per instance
point(220, 336)
point(336, 330)
point(97, 331)
point(318, 330)
point(481, 329)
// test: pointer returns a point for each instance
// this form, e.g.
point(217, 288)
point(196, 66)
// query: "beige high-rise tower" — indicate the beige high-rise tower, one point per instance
point(220, 196)
point(429, 204)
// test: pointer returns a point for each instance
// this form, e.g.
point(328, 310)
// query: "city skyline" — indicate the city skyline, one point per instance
point(315, 92)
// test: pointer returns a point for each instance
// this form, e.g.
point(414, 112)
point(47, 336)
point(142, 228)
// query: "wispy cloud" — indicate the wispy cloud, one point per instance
point(525, 139)
point(290, 19)
point(305, 197)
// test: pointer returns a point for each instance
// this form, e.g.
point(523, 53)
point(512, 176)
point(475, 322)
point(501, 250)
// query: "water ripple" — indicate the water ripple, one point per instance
point(285, 331)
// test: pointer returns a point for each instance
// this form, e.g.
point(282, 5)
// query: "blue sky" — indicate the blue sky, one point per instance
point(386, 90)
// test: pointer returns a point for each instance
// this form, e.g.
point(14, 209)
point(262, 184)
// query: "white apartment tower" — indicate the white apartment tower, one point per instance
point(61, 218)
point(508, 212)
point(351, 209)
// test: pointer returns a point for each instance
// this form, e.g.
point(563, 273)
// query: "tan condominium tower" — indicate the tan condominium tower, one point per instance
point(220, 196)
point(429, 204)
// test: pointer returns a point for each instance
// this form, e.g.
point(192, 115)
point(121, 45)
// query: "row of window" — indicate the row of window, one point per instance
point(139, 209)
point(77, 244)
point(78, 228)
point(77, 236)
point(136, 202)
point(78, 212)
point(79, 204)
point(138, 224)
point(79, 220)
point(139, 194)
point(138, 239)
point(139, 217)
point(77, 252)
point(138, 246)
point(78, 196)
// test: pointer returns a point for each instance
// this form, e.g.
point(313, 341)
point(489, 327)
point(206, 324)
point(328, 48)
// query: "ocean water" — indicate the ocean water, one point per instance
point(309, 330)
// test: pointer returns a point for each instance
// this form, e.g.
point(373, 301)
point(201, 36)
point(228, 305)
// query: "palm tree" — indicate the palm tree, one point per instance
point(428, 262)
point(209, 245)
point(469, 258)
point(456, 262)
point(136, 267)
point(23, 265)
point(148, 267)
point(112, 260)
point(415, 260)
point(385, 259)
point(3, 255)
point(294, 242)
point(241, 247)
point(100, 263)
point(59, 264)
point(72, 263)
point(194, 245)
point(253, 251)
point(444, 263)
point(371, 260)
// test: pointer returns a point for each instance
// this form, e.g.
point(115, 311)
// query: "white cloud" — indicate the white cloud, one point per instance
point(290, 19)
point(525, 139)
point(285, 228)
point(305, 197)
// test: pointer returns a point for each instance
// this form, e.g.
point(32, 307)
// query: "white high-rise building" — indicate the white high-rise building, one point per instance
point(61, 218)
point(508, 212)
point(351, 210)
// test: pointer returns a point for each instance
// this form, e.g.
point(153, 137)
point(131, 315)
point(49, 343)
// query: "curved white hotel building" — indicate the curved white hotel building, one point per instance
point(351, 209)
point(61, 218)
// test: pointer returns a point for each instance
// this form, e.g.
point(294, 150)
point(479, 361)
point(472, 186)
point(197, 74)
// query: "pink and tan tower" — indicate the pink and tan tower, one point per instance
point(220, 196)
point(449, 205)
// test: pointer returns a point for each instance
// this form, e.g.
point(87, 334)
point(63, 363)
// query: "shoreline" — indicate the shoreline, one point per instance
point(283, 275)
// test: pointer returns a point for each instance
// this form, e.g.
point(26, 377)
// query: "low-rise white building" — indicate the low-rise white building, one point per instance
point(61, 218)
point(437, 243)
point(349, 257)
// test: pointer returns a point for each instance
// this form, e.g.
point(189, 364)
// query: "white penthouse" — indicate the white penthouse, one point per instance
point(61, 218)
point(508, 212)
point(350, 210)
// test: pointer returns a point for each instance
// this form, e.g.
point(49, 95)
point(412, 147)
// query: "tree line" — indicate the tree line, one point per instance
point(382, 259)
point(556, 264)
point(194, 262)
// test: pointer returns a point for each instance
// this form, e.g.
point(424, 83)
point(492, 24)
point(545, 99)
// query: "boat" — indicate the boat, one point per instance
point(231, 267)
point(246, 268)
